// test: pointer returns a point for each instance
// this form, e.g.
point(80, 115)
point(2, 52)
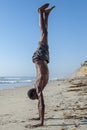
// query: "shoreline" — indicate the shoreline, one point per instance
point(8, 87)
point(18, 85)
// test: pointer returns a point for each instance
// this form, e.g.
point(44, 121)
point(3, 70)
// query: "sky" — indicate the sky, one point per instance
point(20, 33)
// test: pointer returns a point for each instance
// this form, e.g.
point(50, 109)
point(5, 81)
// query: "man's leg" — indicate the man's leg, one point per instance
point(43, 22)
point(43, 28)
point(47, 12)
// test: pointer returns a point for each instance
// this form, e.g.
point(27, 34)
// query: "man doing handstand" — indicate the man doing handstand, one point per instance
point(41, 59)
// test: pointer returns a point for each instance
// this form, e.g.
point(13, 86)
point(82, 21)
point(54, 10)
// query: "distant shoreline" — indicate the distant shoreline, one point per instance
point(12, 82)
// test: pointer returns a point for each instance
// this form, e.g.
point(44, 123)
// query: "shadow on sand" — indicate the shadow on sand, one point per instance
point(81, 122)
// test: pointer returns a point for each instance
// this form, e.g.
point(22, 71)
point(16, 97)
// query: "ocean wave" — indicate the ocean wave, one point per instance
point(13, 80)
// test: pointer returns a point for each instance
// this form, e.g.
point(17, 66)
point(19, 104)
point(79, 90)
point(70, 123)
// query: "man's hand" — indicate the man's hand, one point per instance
point(38, 118)
point(33, 126)
point(37, 125)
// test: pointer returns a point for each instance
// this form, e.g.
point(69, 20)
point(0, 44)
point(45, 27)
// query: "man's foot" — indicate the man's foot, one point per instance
point(47, 11)
point(43, 7)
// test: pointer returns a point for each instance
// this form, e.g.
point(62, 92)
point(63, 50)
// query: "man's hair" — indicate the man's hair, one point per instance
point(32, 93)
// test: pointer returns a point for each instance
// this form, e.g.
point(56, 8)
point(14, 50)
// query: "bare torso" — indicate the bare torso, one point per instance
point(42, 74)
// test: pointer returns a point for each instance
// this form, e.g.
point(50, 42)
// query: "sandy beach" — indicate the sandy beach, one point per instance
point(65, 102)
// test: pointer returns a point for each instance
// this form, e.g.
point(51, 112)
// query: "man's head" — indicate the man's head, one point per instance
point(32, 94)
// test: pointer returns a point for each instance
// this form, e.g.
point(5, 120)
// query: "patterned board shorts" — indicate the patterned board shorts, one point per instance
point(42, 53)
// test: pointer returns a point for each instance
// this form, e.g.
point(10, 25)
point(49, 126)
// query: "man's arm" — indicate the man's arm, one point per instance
point(41, 108)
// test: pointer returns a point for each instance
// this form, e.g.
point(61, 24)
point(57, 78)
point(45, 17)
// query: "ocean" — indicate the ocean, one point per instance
point(11, 82)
